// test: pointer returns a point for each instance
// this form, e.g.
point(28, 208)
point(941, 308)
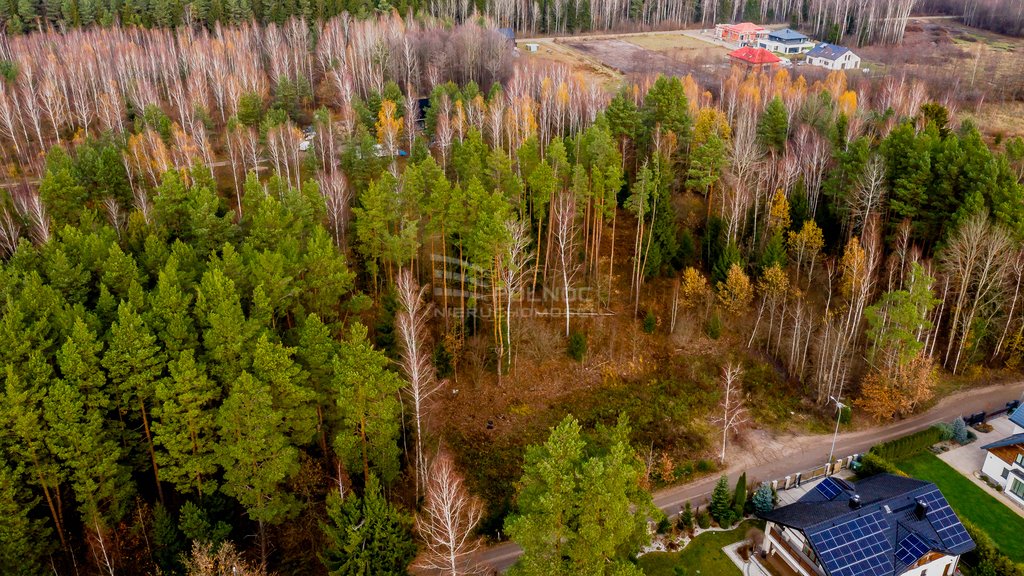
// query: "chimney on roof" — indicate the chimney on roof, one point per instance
point(855, 502)
point(921, 510)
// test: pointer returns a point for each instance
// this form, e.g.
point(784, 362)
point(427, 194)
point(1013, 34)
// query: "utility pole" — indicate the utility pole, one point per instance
point(839, 415)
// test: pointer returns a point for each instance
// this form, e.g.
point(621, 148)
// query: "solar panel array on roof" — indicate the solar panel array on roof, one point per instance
point(911, 549)
point(858, 547)
point(829, 488)
point(945, 522)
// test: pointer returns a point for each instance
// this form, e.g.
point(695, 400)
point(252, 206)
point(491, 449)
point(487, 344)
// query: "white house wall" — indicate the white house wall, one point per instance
point(782, 48)
point(847, 61)
point(994, 468)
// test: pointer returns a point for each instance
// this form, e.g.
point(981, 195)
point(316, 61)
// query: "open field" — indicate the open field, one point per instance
point(629, 58)
point(676, 43)
point(960, 58)
point(999, 522)
point(551, 52)
point(703, 555)
point(998, 118)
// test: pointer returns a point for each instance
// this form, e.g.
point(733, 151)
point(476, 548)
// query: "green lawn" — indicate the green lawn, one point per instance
point(1003, 525)
point(702, 556)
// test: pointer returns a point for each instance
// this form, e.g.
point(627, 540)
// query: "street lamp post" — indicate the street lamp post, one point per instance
point(839, 415)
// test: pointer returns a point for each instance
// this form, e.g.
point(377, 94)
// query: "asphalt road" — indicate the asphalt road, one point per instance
point(670, 500)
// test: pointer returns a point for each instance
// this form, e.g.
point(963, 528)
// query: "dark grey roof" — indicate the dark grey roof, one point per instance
point(840, 535)
point(786, 34)
point(1008, 441)
point(1018, 416)
point(827, 51)
point(507, 33)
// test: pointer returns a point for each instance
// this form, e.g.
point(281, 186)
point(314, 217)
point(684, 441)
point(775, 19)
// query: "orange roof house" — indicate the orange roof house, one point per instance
point(754, 58)
point(742, 33)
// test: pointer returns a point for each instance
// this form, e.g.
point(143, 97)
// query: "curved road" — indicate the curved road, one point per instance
point(670, 500)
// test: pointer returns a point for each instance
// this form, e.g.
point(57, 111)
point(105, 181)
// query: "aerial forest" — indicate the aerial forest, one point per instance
point(243, 262)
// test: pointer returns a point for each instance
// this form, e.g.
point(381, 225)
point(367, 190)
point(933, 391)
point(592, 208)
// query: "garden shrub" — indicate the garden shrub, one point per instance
point(764, 498)
point(685, 522)
point(703, 520)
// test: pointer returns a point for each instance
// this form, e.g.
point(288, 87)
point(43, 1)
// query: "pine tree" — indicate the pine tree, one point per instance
point(79, 363)
point(369, 407)
point(24, 540)
point(170, 313)
point(773, 128)
point(184, 426)
point(226, 332)
point(721, 500)
point(367, 535)
point(91, 458)
point(255, 453)
point(21, 415)
point(272, 363)
point(315, 352)
point(580, 510)
point(134, 363)
point(667, 107)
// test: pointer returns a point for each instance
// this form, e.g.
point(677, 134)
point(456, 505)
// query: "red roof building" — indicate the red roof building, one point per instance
point(742, 33)
point(755, 58)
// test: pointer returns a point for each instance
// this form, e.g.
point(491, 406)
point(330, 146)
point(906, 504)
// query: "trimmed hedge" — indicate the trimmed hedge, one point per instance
point(871, 464)
point(908, 446)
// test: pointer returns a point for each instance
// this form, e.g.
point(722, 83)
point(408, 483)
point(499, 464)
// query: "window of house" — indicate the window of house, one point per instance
point(1006, 473)
point(1020, 459)
point(1017, 489)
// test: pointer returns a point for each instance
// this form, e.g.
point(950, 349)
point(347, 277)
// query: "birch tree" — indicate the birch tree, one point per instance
point(415, 360)
point(448, 522)
point(976, 260)
point(734, 414)
point(564, 219)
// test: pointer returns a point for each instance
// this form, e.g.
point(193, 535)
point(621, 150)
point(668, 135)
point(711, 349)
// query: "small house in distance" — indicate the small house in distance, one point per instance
point(885, 525)
point(833, 57)
point(754, 58)
point(744, 33)
point(786, 41)
point(509, 34)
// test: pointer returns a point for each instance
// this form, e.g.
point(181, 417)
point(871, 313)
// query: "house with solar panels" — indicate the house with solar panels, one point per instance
point(1004, 462)
point(884, 525)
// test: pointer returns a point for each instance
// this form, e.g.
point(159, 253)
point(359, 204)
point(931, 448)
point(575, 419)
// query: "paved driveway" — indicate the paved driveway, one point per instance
point(968, 460)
